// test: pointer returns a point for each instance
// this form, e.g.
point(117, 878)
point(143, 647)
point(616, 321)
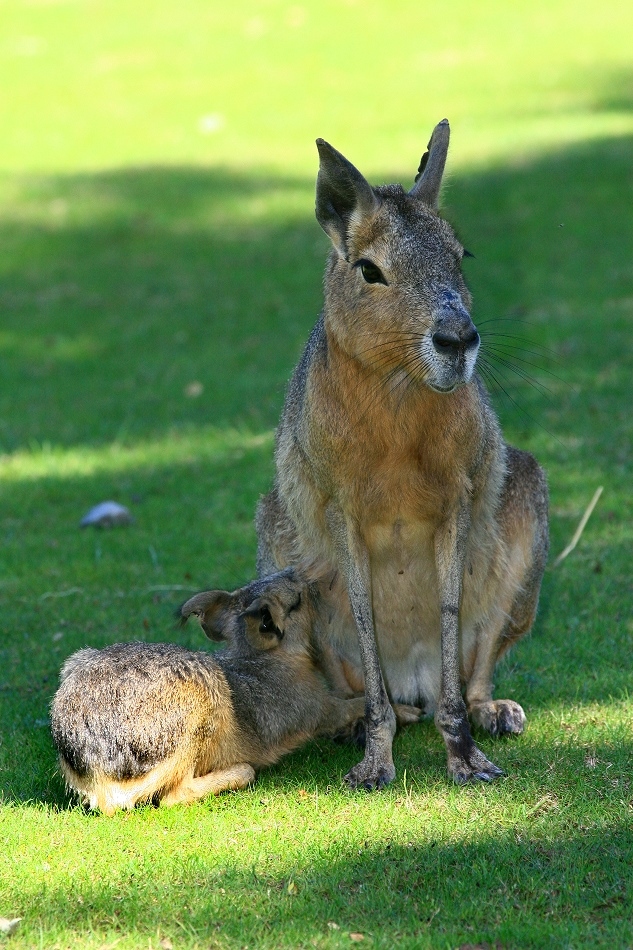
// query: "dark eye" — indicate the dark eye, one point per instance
point(371, 273)
point(296, 604)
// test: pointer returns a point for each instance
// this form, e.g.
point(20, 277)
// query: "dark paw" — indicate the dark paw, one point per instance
point(370, 776)
point(473, 767)
point(499, 717)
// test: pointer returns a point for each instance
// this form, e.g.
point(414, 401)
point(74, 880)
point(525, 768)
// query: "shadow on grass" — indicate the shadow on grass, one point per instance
point(152, 279)
point(518, 887)
point(120, 289)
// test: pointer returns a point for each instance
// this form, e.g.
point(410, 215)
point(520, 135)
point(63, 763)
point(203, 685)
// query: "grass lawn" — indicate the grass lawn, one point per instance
point(160, 269)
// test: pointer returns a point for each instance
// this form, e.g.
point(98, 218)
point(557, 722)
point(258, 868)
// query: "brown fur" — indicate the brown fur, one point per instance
point(140, 721)
point(395, 491)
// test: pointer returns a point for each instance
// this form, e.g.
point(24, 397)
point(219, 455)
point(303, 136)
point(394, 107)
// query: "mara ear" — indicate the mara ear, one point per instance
point(341, 193)
point(429, 177)
point(264, 620)
point(214, 609)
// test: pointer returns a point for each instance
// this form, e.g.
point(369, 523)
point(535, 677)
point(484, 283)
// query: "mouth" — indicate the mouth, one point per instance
point(448, 367)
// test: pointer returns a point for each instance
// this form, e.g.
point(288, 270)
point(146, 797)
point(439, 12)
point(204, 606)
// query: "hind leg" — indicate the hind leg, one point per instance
point(191, 789)
point(496, 716)
point(510, 622)
point(523, 519)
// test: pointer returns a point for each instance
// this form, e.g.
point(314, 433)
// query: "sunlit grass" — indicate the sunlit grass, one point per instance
point(48, 461)
point(252, 86)
point(309, 856)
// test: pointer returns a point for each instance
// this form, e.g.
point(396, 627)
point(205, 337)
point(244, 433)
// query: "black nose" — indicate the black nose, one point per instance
point(455, 342)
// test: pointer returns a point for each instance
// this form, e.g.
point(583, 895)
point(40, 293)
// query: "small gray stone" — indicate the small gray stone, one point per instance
point(106, 515)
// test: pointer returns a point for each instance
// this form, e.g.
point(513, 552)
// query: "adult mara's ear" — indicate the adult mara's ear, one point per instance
point(214, 610)
point(264, 620)
point(341, 194)
point(428, 181)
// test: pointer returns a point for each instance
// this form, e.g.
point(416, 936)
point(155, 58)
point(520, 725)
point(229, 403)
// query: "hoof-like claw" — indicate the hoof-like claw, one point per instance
point(370, 775)
point(475, 768)
point(499, 717)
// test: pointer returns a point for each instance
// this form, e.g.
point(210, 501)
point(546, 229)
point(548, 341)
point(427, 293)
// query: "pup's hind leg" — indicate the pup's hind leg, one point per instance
point(191, 789)
point(523, 518)
point(108, 793)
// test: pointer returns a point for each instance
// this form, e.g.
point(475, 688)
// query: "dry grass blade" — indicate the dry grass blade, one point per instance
point(581, 527)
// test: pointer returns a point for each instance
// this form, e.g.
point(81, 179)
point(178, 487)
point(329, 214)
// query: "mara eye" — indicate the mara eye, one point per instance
point(371, 273)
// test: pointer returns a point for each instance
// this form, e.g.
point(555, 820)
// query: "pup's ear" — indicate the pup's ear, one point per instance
point(214, 609)
point(265, 619)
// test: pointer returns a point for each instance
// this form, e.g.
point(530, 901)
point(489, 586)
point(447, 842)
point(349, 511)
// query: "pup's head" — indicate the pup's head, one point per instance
point(264, 615)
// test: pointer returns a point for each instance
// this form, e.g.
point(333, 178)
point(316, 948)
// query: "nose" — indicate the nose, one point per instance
point(456, 341)
point(456, 333)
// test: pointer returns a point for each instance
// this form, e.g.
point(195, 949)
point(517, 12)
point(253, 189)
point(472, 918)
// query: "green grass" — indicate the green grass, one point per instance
point(156, 227)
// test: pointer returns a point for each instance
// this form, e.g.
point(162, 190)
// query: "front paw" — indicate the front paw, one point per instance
point(472, 766)
point(371, 774)
point(353, 734)
point(405, 715)
point(377, 769)
point(498, 717)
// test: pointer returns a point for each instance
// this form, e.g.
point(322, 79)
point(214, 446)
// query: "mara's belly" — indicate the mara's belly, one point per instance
point(406, 612)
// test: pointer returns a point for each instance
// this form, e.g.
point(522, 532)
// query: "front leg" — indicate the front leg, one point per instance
point(377, 768)
point(465, 761)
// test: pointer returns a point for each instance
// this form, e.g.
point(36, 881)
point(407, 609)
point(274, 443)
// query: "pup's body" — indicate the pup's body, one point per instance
point(394, 489)
point(140, 721)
